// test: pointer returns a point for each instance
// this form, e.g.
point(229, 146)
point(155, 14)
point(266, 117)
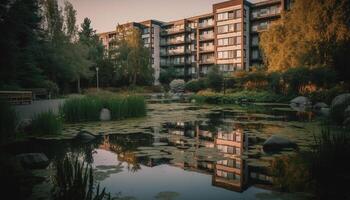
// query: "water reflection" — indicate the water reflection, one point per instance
point(218, 152)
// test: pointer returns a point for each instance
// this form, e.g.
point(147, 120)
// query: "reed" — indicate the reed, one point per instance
point(46, 123)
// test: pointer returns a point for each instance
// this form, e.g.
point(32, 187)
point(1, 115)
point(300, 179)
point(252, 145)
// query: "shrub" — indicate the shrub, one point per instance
point(215, 79)
point(46, 123)
point(196, 85)
point(237, 97)
point(8, 122)
point(75, 181)
point(177, 85)
point(327, 95)
point(88, 108)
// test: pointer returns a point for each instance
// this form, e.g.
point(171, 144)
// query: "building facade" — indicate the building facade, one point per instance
point(227, 37)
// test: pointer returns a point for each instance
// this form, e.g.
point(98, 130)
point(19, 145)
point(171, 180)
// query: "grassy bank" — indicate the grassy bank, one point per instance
point(82, 109)
point(237, 97)
point(8, 122)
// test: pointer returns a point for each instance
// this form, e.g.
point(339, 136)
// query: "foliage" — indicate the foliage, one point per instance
point(177, 85)
point(46, 123)
point(338, 107)
point(74, 180)
point(132, 58)
point(327, 95)
point(237, 97)
point(196, 85)
point(167, 75)
point(8, 122)
point(88, 108)
point(215, 79)
point(312, 33)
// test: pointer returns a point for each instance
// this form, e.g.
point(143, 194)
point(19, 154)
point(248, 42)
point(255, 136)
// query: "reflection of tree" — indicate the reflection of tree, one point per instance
point(125, 145)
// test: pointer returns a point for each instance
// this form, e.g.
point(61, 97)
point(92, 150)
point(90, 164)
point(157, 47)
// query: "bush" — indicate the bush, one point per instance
point(46, 123)
point(8, 122)
point(177, 86)
point(237, 97)
point(215, 79)
point(88, 108)
point(327, 95)
point(196, 85)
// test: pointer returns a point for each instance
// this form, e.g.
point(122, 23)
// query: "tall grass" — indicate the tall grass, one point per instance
point(88, 108)
point(8, 122)
point(74, 180)
point(330, 164)
point(46, 123)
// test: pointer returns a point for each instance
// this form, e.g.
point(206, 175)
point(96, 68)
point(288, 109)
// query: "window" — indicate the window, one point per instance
point(238, 27)
point(255, 54)
point(229, 54)
point(238, 13)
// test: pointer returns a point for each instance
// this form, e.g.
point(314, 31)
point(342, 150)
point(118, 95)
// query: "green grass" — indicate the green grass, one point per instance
point(84, 109)
point(46, 123)
point(8, 122)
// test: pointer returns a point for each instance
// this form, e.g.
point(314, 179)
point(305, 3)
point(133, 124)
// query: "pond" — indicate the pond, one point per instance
point(187, 151)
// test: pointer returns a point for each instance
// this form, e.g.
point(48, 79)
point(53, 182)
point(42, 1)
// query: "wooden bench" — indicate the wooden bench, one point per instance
point(17, 97)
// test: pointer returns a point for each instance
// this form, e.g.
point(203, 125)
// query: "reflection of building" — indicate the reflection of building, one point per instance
point(231, 173)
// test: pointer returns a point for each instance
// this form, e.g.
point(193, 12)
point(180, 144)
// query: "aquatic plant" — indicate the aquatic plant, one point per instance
point(8, 122)
point(74, 180)
point(88, 108)
point(46, 123)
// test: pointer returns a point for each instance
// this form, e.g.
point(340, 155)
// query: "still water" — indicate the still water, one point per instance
point(181, 151)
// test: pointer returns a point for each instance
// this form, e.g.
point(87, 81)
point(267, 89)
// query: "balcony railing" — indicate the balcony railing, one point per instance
point(207, 61)
point(211, 48)
point(168, 63)
point(206, 37)
point(205, 24)
point(175, 30)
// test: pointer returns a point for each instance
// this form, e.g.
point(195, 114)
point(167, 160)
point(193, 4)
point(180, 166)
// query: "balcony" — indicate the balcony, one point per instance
point(206, 37)
point(174, 52)
point(207, 49)
point(205, 25)
point(168, 63)
point(207, 61)
point(175, 31)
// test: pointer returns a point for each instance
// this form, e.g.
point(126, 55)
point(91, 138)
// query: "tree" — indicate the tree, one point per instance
point(215, 78)
point(133, 60)
point(313, 33)
point(20, 44)
point(167, 75)
point(70, 21)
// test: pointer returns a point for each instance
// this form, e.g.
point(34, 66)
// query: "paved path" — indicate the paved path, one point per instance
point(28, 111)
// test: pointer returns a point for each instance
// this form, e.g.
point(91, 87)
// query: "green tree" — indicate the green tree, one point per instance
point(215, 78)
point(167, 75)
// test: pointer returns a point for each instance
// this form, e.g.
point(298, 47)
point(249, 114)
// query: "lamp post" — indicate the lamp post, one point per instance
point(97, 78)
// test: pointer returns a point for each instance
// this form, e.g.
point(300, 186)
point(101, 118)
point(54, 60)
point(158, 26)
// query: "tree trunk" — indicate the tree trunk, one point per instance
point(78, 85)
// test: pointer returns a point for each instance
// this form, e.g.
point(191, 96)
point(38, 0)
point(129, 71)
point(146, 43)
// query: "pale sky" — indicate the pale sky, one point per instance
point(106, 14)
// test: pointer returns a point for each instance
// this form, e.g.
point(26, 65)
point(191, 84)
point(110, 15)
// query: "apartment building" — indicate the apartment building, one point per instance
point(227, 37)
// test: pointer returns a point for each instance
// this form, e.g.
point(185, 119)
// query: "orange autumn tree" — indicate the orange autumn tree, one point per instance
point(313, 33)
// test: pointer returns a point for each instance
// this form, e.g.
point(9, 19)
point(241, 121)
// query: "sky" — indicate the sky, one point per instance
point(106, 14)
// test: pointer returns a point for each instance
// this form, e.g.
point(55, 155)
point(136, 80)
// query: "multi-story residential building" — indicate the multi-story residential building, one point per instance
point(227, 37)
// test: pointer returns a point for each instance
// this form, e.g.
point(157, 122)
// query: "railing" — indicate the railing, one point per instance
point(175, 30)
point(206, 48)
point(207, 61)
point(206, 36)
point(204, 25)
point(17, 97)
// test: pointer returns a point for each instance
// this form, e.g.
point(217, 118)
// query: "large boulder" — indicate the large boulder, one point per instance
point(276, 143)
point(33, 160)
point(320, 105)
point(105, 115)
point(338, 107)
point(85, 136)
point(301, 102)
point(177, 86)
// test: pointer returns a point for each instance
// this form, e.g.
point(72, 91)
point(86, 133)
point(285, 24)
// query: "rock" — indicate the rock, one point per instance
point(177, 86)
point(338, 107)
point(33, 160)
point(276, 143)
point(301, 101)
point(105, 115)
point(325, 111)
point(347, 112)
point(85, 136)
point(24, 126)
point(346, 122)
point(193, 101)
point(320, 105)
